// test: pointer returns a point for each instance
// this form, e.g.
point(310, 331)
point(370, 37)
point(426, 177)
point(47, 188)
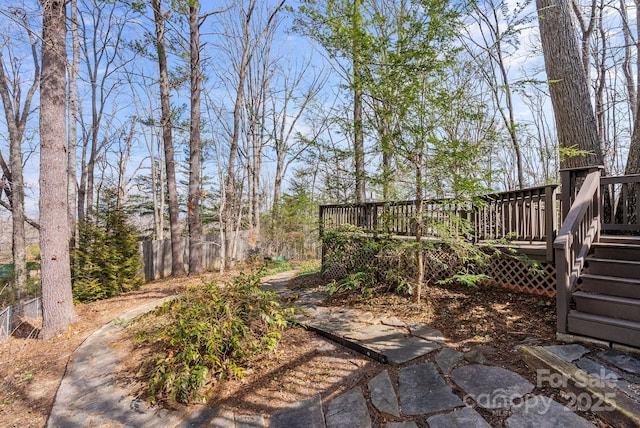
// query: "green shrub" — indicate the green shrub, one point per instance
point(379, 262)
point(209, 331)
point(106, 261)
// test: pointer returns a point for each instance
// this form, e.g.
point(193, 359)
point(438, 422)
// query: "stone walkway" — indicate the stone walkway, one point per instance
point(450, 390)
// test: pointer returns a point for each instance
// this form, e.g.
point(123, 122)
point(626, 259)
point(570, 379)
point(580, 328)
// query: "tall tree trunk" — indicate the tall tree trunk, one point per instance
point(155, 178)
point(600, 109)
point(82, 186)
point(177, 252)
point(277, 184)
point(627, 69)
point(93, 149)
point(73, 125)
point(193, 204)
point(575, 122)
point(633, 160)
point(57, 301)
point(18, 216)
point(358, 131)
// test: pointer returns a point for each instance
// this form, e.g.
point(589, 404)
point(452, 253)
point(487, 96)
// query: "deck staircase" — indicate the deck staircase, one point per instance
point(607, 300)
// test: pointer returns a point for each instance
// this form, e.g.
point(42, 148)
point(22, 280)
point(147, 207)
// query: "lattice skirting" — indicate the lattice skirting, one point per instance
point(505, 272)
point(519, 276)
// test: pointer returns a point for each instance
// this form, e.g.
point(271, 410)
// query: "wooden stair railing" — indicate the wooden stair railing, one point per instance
point(581, 228)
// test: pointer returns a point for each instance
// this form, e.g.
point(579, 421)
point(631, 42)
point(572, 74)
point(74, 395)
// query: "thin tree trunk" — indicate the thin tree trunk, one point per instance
point(627, 69)
point(358, 132)
point(193, 204)
point(419, 227)
point(177, 251)
point(82, 186)
point(57, 302)
point(230, 185)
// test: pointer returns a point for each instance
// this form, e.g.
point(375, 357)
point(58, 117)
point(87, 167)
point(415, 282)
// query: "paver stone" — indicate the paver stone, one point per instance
point(383, 396)
point(490, 386)
point(461, 418)
point(423, 391)
point(349, 410)
point(543, 412)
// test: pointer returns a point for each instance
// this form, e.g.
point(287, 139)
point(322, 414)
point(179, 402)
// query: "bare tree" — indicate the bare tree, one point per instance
point(633, 89)
point(297, 95)
point(242, 50)
point(177, 252)
point(260, 74)
point(102, 27)
point(57, 302)
point(16, 113)
point(499, 31)
point(587, 27)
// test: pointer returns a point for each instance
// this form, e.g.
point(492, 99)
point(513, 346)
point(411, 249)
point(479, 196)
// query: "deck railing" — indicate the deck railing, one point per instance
point(528, 215)
point(581, 227)
point(395, 218)
point(620, 203)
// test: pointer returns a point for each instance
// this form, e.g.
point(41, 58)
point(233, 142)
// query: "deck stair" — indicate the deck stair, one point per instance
point(607, 302)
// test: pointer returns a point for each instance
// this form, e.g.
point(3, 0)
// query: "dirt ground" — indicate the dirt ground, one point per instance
point(490, 320)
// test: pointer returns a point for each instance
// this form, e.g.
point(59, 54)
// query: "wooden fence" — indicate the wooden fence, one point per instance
point(156, 254)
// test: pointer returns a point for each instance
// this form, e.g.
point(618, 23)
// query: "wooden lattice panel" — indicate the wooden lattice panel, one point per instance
point(505, 272)
point(517, 275)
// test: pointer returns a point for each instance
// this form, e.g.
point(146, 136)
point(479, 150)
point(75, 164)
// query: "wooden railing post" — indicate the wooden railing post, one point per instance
point(563, 281)
point(567, 188)
point(569, 178)
point(550, 219)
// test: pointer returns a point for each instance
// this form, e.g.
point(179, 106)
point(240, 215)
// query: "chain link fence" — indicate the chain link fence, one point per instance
point(31, 309)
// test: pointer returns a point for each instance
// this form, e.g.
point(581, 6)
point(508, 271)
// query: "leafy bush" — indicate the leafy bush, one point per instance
point(209, 331)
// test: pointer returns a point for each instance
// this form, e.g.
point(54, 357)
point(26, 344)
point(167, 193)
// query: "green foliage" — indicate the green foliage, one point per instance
point(291, 227)
point(362, 280)
point(106, 262)
point(370, 263)
point(272, 267)
point(572, 152)
point(366, 262)
point(212, 330)
point(33, 286)
point(468, 279)
point(309, 267)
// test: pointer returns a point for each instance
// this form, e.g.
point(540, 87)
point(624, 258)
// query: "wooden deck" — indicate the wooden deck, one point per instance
point(561, 230)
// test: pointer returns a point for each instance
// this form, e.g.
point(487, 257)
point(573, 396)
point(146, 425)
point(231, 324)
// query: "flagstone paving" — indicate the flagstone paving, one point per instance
point(444, 390)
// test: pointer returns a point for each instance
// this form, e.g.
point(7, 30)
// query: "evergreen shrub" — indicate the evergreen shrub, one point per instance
point(209, 331)
point(107, 261)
